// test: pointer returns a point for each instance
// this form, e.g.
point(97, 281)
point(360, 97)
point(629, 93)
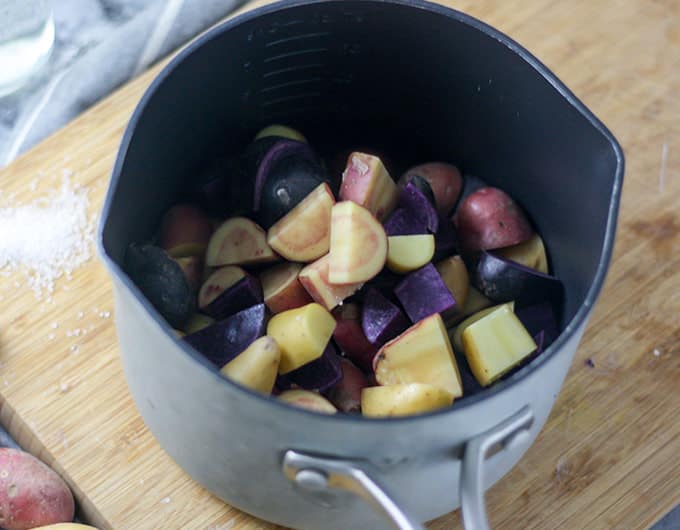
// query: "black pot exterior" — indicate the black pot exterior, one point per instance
point(415, 81)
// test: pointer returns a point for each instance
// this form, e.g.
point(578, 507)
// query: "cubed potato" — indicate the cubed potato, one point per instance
point(456, 334)
point(314, 278)
point(239, 241)
point(303, 234)
point(306, 399)
point(421, 354)
point(282, 288)
point(302, 334)
point(366, 182)
point(358, 245)
point(403, 400)
point(495, 344)
point(408, 253)
point(257, 366)
point(530, 253)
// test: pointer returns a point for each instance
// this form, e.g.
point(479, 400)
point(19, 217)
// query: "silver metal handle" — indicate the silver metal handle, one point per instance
point(512, 431)
point(317, 473)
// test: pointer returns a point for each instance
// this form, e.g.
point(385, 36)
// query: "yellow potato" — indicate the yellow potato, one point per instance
point(455, 275)
point(306, 399)
point(66, 526)
point(421, 354)
point(457, 335)
point(408, 253)
point(496, 343)
point(256, 367)
point(281, 130)
point(302, 334)
point(403, 400)
point(530, 253)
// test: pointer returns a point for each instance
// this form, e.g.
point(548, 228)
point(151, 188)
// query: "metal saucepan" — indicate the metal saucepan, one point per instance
point(410, 78)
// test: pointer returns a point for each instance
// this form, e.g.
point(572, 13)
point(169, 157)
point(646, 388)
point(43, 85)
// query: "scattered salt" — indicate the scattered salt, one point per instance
point(47, 238)
point(74, 348)
point(165, 500)
point(104, 314)
point(656, 352)
point(50, 336)
point(54, 325)
point(80, 315)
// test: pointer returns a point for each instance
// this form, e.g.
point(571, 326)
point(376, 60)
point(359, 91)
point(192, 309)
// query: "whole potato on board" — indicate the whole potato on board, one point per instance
point(31, 494)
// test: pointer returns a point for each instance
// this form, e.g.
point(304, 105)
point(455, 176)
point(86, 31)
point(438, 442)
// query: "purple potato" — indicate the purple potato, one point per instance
point(445, 240)
point(162, 281)
point(381, 320)
point(423, 292)
point(403, 222)
point(320, 374)
point(245, 293)
point(503, 280)
point(286, 174)
point(224, 340)
point(413, 199)
point(539, 319)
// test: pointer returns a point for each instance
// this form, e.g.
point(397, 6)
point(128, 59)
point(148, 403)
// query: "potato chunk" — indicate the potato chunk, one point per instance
point(306, 399)
point(255, 367)
point(302, 334)
point(408, 253)
point(495, 344)
point(403, 400)
point(421, 354)
point(358, 246)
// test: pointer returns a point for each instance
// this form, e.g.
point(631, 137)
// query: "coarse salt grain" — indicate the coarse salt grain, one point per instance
point(47, 238)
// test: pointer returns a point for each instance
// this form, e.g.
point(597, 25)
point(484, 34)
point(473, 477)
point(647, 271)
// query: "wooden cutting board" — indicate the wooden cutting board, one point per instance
point(608, 456)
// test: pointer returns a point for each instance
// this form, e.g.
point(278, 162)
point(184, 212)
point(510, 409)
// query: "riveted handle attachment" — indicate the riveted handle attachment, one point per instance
point(321, 473)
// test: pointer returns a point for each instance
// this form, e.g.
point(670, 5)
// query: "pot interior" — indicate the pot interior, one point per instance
point(407, 81)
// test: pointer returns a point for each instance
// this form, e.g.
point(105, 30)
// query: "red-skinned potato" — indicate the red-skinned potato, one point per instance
point(350, 338)
point(314, 278)
point(346, 394)
point(282, 288)
point(303, 234)
point(239, 241)
point(366, 182)
point(445, 182)
point(185, 230)
point(488, 219)
point(31, 494)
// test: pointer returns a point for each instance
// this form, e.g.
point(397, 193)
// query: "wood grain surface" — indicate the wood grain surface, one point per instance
point(608, 456)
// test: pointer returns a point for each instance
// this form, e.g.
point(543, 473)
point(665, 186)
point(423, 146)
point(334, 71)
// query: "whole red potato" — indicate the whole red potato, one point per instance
point(489, 218)
point(31, 494)
point(444, 179)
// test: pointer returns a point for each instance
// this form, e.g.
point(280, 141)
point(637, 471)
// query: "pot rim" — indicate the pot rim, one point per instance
point(498, 388)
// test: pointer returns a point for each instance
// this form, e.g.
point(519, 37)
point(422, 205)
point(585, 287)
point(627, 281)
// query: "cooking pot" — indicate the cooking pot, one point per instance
point(416, 81)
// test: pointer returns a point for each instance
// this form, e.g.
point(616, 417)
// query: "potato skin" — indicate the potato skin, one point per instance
point(66, 526)
point(31, 494)
point(489, 219)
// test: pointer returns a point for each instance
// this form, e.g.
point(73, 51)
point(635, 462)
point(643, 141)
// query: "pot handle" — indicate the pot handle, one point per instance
point(512, 431)
point(317, 473)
